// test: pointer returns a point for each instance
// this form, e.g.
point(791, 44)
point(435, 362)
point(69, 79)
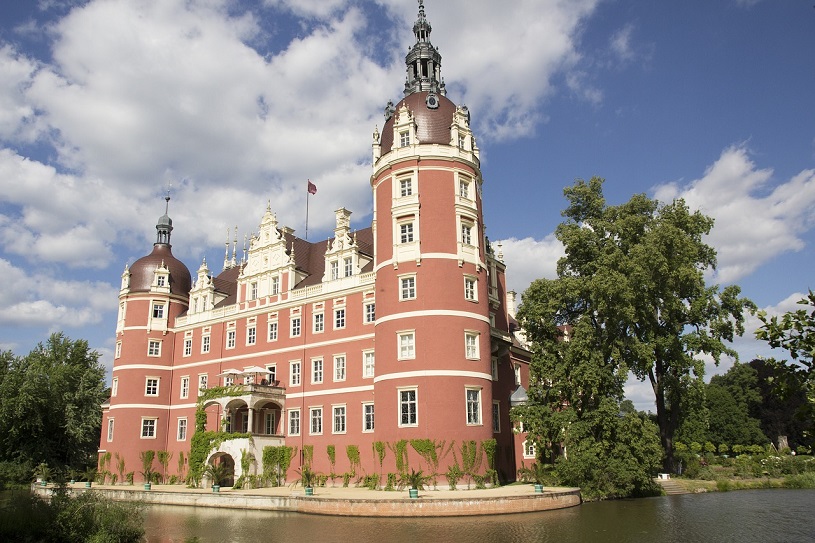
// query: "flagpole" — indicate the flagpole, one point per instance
point(307, 198)
point(311, 188)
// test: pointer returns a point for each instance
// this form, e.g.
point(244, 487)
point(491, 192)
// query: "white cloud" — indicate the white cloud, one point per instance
point(750, 212)
point(15, 74)
point(37, 299)
point(529, 259)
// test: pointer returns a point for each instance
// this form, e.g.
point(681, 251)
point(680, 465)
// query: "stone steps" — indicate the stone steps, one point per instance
point(671, 487)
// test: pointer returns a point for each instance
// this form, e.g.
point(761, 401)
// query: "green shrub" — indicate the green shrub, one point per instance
point(803, 480)
point(723, 485)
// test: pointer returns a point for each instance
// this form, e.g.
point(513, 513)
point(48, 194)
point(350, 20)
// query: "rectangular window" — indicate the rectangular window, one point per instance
point(319, 323)
point(118, 349)
point(339, 319)
point(295, 327)
point(154, 347)
point(253, 291)
point(404, 138)
point(405, 187)
point(185, 387)
point(407, 288)
point(407, 345)
point(294, 422)
point(529, 449)
point(339, 419)
point(494, 368)
point(464, 188)
point(114, 387)
point(151, 386)
point(148, 428)
point(161, 281)
point(368, 362)
point(466, 234)
point(272, 335)
point(202, 381)
point(294, 373)
point(251, 335)
point(335, 270)
point(317, 370)
point(272, 375)
point(181, 435)
point(205, 344)
point(230, 339)
point(269, 423)
point(339, 368)
point(469, 289)
point(110, 429)
point(517, 369)
point(406, 232)
point(348, 265)
point(316, 416)
point(244, 422)
point(158, 311)
point(188, 347)
point(368, 417)
point(496, 417)
point(473, 406)
point(370, 313)
point(471, 350)
point(275, 285)
point(408, 415)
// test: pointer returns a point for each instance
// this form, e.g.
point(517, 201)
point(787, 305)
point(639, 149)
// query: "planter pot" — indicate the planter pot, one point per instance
point(309, 491)
point(148, 486)
point(216, 488)
point(73, 481)
point(414, 493)
point(43, 483)
point(88, 484)
point(538, 489)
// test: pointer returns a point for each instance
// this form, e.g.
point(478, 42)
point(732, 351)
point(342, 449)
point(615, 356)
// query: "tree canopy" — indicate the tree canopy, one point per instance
point(50, 404)
point(630, 296)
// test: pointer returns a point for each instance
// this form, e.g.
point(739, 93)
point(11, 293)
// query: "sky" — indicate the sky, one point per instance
point(104, 104)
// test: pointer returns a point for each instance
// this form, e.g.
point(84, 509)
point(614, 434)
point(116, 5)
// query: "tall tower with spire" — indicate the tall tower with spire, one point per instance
point(432, 287)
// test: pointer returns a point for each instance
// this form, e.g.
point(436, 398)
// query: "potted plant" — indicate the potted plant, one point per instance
point(147, 467)
point(537, 472)
point(415, 481)
point(42, 473)
point(218, 473)
point(308, 478)
point(90, 476)
point(73, 475)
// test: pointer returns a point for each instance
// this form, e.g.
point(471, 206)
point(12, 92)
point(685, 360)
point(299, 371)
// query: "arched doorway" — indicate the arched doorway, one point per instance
point(228, 463)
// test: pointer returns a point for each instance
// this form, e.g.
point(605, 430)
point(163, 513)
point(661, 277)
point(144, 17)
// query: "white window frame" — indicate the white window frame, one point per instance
point(405, 186)
point(153, 348)
point(368, 417)
point(269, 423)
point(368, 364)
point(295, 373)
point(185, 387)
point(149, 431)
point(470, 288)
point(251, 335)
point(271, 331)
point(114, 387)
point(406, 345)
point(407, 287)
point(472, 402)
point(463, 185)
point(315, 421)
point(151, 386)
point(472, 350)
point(188, 346)
point(404, 138)
point(335, 270)
point(339, 318)
point(275, 286)
point(253, 290)
point(348, 266)
point(203, 381)
point(339, 419)
point(340, 367)
point(296, 327)
point(370, 313)
point(319, 323)
point(406, 232)
point(530, 451)
point(118, 353)
point(230, 339)
point(494, 368)
point(159, 310)
point(111, 427)
point(205, 344)
point(403, 402)
point(294, 418)
point(317, 371)
point(467, 233)
point(181, 429)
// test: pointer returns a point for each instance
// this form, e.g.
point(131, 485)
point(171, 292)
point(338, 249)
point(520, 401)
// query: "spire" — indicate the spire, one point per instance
point(165, 223)
point(423, 60)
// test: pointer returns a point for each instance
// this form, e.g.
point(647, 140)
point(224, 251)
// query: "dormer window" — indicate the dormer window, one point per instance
point(335, 270)
point(349, 267)
point(404, 138)
point(161, 281)
point(275, 285)
point(253, 291)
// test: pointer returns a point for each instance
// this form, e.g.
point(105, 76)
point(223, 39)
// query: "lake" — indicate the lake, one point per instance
point(759, 516)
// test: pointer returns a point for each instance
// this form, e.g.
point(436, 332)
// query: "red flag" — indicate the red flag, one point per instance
point(312, 188)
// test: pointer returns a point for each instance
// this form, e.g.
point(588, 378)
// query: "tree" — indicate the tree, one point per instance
point(50, 404)
point(632, 287)
point(793, 332)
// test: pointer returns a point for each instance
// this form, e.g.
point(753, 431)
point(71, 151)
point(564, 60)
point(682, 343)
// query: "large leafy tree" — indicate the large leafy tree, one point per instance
point(50, 404)
point(794, 332)
point(632, 295)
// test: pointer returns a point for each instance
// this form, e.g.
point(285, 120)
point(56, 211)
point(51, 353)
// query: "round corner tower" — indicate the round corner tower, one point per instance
point(433, 375)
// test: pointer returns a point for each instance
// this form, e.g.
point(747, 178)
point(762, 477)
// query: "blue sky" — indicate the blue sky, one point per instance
point(236, 103)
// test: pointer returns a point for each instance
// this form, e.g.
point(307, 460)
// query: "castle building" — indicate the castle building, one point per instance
point(398, 332)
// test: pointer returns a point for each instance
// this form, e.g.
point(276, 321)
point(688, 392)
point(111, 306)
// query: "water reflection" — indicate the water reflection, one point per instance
point(746, 517)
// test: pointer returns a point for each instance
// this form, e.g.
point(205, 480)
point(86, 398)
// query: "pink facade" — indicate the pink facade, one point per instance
point(399, 331)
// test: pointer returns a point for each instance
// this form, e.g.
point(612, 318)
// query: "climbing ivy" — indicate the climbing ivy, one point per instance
point(276, 462)
point(353, 457)
point(399, 449)
point(332, 456)
point(308, 454)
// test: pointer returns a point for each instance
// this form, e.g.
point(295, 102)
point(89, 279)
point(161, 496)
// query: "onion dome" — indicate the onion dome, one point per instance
point(142, 272)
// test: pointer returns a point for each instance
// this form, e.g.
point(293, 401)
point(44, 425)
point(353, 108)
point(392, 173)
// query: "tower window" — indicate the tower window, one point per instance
point(466, 234)
point(158, 311)
point(407, 290)
point(406, 232)
point(473, 406)
point(407, 345)
point(405, 187)
point(408, 414)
